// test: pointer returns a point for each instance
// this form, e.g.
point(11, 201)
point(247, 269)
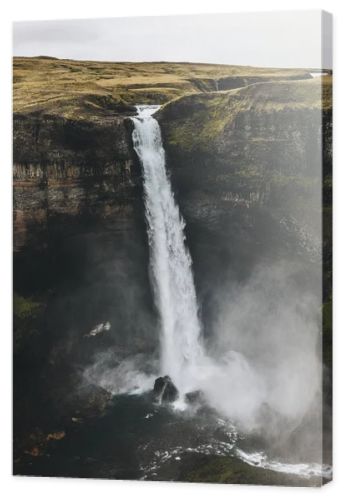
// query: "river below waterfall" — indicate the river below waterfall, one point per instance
point(137, 439)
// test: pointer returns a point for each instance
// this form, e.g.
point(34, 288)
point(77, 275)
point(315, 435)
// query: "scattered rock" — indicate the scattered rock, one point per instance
point(164, 390)
point(77, 420)
point(91, 401)
point(194, 397)
point(37, 442)
point(34, 452)
point(100, 328)
point(55, 436)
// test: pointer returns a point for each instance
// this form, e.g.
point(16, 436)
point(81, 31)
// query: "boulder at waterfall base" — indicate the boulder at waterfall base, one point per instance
point(164, 390)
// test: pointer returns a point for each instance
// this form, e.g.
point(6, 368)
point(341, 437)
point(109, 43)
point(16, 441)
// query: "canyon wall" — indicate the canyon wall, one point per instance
point(245, 168)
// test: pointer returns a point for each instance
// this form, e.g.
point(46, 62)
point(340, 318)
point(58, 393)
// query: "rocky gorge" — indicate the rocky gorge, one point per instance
point(242, 147)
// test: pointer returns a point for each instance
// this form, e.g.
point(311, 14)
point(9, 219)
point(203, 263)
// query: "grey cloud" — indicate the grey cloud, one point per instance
point(279, 39)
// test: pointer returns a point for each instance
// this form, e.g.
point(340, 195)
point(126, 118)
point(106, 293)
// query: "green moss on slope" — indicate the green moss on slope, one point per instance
point(27, 320)
point(231, 470)
point(194, 122)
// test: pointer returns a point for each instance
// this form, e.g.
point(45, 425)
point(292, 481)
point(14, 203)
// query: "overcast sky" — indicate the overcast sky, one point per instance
point(278, 39)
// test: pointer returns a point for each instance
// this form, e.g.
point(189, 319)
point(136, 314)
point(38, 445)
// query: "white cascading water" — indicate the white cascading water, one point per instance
point(170, 261)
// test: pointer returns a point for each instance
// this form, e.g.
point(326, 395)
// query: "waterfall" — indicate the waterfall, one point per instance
point(170, 261)
point(247, 394)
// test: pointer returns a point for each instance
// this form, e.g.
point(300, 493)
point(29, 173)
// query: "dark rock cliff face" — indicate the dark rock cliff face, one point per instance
point(65, 169)
point(250, 169)
point(246, 167)
point(80, 259)
point(78, 218)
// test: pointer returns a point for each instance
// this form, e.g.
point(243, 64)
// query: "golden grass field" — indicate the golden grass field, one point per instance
point(88, 90)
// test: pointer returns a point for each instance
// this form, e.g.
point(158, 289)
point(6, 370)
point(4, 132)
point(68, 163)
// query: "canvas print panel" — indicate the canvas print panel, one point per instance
point(172, 248)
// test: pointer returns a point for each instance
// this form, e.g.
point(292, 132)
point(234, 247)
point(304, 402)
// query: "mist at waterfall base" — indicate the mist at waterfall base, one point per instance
point(258, 370)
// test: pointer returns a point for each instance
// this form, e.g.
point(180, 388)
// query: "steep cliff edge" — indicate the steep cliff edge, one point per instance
point(73, 158)
point(66, 169)
point(257, 146)
point(248, 167)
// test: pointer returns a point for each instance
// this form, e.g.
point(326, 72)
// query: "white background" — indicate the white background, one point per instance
point(36, 488)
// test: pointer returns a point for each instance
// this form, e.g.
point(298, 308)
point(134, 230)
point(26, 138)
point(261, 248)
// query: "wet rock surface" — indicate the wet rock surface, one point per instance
point(164, 390)
point(194, 397)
